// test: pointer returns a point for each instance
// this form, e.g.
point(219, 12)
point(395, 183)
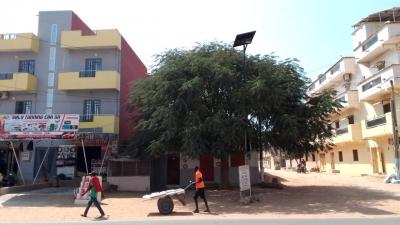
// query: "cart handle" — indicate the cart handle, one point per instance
point(190, 184)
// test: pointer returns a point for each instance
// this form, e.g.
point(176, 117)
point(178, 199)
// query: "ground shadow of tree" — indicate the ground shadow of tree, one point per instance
point(304, 200)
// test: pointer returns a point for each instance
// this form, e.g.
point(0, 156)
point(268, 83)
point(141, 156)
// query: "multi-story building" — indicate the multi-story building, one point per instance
point(364, 131)
point(68, 68)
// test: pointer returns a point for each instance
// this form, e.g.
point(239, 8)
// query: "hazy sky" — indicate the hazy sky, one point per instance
point(317, 32)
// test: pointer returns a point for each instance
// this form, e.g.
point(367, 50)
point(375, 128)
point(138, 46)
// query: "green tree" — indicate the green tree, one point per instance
point(197, 102)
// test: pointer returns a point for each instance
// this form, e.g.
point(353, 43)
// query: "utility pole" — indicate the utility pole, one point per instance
point(395, 131)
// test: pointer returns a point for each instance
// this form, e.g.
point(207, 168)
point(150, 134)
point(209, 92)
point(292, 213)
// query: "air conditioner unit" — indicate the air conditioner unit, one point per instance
point(380, 65)
point(347, 77)
point(3, 95)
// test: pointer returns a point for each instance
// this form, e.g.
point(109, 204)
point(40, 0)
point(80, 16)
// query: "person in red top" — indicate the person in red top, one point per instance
point(199, 190)
point(94, 188)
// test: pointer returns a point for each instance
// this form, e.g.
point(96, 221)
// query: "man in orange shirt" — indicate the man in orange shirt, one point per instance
point(199, 190)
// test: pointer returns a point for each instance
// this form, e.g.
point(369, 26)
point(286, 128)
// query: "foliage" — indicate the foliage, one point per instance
point(197, 102)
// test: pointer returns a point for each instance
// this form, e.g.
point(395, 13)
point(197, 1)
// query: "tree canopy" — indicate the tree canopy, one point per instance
point(197, 101)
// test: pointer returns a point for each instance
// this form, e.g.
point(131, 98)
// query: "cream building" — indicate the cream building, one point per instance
point(364, 131)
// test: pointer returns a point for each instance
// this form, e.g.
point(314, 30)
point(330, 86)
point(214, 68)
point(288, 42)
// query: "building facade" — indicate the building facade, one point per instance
point(364, 131)
point(68, 68)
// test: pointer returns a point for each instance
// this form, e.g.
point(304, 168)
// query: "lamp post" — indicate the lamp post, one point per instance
point(244, 40)
point(395, 131)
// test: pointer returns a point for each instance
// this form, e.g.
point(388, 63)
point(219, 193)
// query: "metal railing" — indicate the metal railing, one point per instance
point(87, 73)
point(376, 122)
point(6, 76)
point(340, 131)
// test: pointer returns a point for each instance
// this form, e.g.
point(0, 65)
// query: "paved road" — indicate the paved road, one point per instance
point(373, 221)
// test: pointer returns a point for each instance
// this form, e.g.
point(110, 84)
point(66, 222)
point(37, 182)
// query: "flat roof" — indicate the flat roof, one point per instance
point(392, 15)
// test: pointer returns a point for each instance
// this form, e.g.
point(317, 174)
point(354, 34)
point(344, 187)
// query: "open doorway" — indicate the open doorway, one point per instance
point(92, 152)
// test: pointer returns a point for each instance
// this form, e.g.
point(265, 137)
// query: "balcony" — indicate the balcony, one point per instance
point(377, 127)
point(101, 39)
point(351, 133)
point(349, 100)
point(23, 42)
point(338, 73)
point(89, 80)
point(99, 124)
point(378, 43)
point(378, 86)
point(18, 82)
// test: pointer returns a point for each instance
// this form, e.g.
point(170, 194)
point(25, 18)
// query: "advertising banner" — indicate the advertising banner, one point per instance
point(29, 126)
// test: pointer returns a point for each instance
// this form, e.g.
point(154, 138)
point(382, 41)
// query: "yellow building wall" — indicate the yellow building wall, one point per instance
point(109, 123)
point(21, 82)
point(102, 80)
point(22, 42)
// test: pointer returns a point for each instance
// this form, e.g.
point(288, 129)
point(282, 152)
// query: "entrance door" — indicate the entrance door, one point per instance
point(207, 167)
point(173, 170)
point(332, 160)
point(383, 163)
point(374, 157)
point(322, 161)
point(92, 152)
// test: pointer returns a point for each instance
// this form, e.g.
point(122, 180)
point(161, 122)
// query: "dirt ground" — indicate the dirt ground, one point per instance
point(314, 195)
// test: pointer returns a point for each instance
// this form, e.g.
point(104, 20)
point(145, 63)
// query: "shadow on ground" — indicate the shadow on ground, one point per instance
point(304, 200)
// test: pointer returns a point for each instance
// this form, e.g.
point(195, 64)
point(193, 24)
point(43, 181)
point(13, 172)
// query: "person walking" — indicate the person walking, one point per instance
point(199, 190)
point(94, 188)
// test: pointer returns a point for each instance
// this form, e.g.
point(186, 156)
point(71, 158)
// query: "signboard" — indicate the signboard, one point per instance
point(20, 126)
point(244, 178)
point(25, 156)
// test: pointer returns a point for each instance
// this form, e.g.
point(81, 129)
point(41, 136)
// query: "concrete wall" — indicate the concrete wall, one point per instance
point(131, 183)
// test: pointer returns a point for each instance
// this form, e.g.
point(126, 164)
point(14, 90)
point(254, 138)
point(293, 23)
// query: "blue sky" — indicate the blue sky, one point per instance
point(317, 32)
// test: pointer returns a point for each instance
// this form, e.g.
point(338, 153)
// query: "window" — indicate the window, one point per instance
point(335, 68)
point(371, 84)
point(90, 108)
point(52, 59)
point(26, 66)
point(53, 34)
point(6, 76)
point(355, 155)
point(337, 125)
point(340, 156)
point(370, 42)
point(322, 78)
point(313, 157)
point(350, 119)
point(91, 66)
point(386, 108)
point(23, 107)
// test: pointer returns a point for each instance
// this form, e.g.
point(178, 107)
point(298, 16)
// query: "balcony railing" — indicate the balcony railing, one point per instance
point(371, 84)
point(6, 76)
point(376, 122)
point(370, 42)
point(87, 73)
point(340, 131)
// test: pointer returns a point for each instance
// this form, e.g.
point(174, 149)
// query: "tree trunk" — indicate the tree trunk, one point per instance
point(224, 172)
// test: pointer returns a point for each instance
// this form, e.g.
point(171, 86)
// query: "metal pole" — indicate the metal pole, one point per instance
point(19, 167)
point(84, 156)
point(41, 164)
point(244, 81)
point(104, 157)
point(395, 131)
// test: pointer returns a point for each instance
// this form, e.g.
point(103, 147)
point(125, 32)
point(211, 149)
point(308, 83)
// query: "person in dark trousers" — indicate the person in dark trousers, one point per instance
point(94, 188)
point(199, 190)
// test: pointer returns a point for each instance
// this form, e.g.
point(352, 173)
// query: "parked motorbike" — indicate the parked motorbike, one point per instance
point(301, 168)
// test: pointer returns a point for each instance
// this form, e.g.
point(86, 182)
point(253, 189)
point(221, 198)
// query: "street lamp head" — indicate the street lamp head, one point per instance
point(244, 39)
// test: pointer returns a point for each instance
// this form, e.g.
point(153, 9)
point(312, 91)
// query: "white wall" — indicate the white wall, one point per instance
point(131, 183)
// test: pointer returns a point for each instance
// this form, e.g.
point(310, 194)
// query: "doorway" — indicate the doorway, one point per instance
point(92, 152)
point(207, 167)
point(374, 157)
point(322, 161)
point(173, 170)
point(332, 161)
point(383, 163)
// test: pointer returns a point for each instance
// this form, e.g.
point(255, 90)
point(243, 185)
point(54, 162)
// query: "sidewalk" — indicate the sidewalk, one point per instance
point(304, 196)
